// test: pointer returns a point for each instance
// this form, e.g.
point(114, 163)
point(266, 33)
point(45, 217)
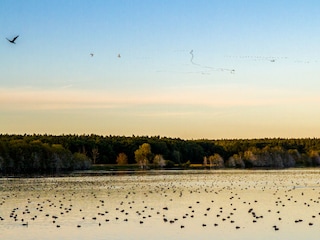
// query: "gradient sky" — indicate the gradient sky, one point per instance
point(49, 83)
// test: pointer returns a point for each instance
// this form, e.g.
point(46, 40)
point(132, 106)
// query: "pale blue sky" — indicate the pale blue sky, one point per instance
point(49, 83)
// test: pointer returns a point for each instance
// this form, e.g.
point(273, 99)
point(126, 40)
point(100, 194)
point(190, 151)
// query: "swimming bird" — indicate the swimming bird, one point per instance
point(13, 40)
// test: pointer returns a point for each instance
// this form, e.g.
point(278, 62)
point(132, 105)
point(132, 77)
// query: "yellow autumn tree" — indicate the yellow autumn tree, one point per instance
point(143, 155)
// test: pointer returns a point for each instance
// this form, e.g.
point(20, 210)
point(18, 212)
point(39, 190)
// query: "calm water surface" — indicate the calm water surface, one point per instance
point(282, 204)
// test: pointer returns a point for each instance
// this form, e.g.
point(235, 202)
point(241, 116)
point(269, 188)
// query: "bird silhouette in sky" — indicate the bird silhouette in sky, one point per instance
point(91, 54)
point(119, 56)
point(13, 40)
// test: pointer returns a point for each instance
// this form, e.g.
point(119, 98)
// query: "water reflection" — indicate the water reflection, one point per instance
point(161, 204)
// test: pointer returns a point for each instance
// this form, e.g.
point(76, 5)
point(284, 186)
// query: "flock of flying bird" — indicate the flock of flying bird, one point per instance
point(209, 68)
point(13, 41)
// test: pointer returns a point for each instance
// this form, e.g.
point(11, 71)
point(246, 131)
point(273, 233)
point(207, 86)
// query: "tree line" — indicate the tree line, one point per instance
point(54, 153)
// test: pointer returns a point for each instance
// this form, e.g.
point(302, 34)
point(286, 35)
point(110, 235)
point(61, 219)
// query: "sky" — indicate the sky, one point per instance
point(192, 69)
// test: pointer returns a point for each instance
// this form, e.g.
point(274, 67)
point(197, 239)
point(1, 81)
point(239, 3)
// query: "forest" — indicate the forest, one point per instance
point(50, 154)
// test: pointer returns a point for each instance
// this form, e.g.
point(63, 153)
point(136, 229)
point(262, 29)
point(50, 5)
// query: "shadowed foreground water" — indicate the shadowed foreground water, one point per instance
point(281, 204)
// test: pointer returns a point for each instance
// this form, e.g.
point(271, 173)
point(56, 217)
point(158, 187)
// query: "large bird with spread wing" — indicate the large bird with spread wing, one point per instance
point(13, 39)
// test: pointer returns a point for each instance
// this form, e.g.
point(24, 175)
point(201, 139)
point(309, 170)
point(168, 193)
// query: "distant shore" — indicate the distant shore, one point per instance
point(53, 155)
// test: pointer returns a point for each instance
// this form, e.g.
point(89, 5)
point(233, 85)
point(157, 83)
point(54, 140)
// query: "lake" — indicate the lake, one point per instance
point(219, 204)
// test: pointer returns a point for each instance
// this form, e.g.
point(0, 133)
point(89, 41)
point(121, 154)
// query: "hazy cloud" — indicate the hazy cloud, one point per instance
point(231, 96)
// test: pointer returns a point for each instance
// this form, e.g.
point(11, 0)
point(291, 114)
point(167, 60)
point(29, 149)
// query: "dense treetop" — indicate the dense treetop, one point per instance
point(43, 153)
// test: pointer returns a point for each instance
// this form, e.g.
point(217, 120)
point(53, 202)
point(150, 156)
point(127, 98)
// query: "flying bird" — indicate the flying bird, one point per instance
point(119, 56)
point(208, 67)
point(13, 40)
point(91, 54)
